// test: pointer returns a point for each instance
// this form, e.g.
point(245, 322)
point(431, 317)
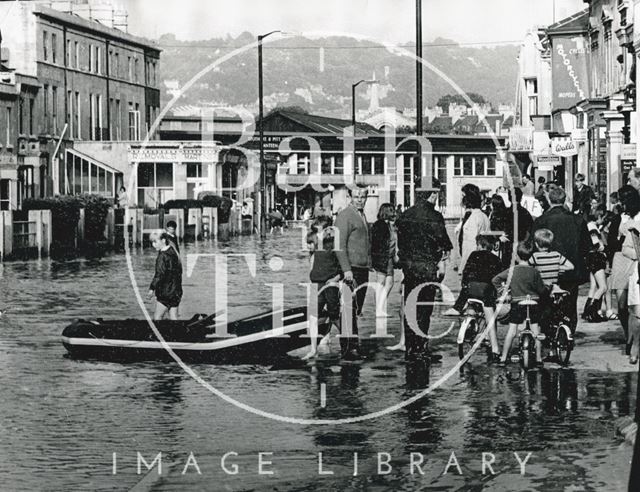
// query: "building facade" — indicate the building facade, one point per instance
point(91, 83)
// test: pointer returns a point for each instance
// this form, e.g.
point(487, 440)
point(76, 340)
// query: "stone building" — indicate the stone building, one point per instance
point(88, 82)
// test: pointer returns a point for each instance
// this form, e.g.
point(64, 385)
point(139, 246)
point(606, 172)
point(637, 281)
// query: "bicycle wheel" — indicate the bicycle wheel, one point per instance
point(563, 345)
point(527, 347)
point(466, 334)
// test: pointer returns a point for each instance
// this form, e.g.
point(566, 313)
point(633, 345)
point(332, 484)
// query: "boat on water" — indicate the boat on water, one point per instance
point(252, 340)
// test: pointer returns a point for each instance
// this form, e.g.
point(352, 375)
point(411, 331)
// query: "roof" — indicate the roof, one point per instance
point(303, 122)
point(574, 24)
point(508, 122)
point(441, 122)
point(93, 26)
point(470, 120)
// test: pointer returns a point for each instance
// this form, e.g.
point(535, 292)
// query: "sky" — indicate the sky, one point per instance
point(392, 21)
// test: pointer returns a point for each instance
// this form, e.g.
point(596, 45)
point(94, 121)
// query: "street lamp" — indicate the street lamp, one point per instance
point(263, 175)
point(353, 115)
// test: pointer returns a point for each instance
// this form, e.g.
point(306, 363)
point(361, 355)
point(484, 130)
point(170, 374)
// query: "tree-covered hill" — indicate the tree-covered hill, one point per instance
point(317, 74)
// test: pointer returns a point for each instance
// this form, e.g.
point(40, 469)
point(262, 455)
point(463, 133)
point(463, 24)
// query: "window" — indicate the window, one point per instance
point(54, 108)
point(77, 116)
point(45, 45)
point(21, 116)
point(194, 170)
point(99, 129)
point(338, 165)
point(472, 166)
point(129, 68)
point(45, 96)
point(92, 117)
point(98, 60)
point(77, 55)
point(5, 194)
point(116, 65)
point(54, 43)
point(26, 185)
point(8, 128)
point(155, 183)
point(531, 88)
point(467, 165)
point(31, 116)
point(118, 119)
point(134, 124)
point(153, 72)
point(378, 164)
point(491, 166)
point(135, 72)
point(85, 176)
point(67, 54)
point(90, 58)
point(69, 117)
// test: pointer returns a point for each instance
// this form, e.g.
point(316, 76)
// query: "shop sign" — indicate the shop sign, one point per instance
point(579, 135)
point(521, 139)
point(628, 152)
point(569, 73)
point(563, 147)
point(547, 162)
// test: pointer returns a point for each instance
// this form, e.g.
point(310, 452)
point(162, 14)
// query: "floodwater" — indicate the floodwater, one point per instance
point(63, 419)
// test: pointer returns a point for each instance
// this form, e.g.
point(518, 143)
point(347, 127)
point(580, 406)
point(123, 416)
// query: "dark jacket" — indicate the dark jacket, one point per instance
point(481, 266)
point(582, 199)
point(167, 282)
point(570, 238)
point(525, 281)
point(353, 240)
point(525, 221)
point(422, 239)
point(380, 245)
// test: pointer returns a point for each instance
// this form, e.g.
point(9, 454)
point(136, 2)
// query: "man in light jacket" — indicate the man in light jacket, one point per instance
point(354, 257)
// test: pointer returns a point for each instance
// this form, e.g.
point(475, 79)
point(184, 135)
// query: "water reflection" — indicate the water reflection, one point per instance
point(63, 418)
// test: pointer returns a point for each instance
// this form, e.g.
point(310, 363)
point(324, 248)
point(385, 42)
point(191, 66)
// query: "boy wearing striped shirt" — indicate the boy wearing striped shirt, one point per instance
point(548, 263)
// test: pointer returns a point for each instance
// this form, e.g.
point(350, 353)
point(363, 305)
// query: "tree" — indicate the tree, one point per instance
point(445, 101)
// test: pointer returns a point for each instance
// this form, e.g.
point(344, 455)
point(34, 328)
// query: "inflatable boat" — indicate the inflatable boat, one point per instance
point(251, 340)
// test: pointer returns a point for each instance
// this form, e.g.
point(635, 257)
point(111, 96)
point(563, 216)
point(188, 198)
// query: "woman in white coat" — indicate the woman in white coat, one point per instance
point(474, 222)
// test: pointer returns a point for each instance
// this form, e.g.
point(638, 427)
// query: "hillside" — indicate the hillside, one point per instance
point(317, 74)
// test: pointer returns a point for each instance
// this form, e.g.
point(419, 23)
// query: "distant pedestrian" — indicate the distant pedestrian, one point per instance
point(167, 281)
point(582, 196)
point(354, 257)
point(384, 254)
point(122, 199)
point(473, 223)
point(277, 220)
point(528, 188)
point(170, 229)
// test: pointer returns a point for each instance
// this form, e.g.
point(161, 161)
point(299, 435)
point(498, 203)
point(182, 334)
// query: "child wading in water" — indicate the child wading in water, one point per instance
point(167, 281)
point(325, 273)
point(525, 281)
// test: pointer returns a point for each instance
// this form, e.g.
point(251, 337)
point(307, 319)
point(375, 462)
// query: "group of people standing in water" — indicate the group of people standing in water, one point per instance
point(590, 242)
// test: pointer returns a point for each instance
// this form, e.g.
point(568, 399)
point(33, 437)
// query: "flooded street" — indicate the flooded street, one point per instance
point(63, 419)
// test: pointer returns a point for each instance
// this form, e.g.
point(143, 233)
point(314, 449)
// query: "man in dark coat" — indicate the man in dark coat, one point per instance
point(571, 239)
point(423, 248)
point(582, 196)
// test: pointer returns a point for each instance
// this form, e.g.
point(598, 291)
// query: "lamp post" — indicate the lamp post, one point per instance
point(263, 175)
point(353, 115)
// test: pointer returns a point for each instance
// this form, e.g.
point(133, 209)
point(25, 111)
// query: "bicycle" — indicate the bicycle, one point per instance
point(472, 325)
point(559, 337)
point(527, 339)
